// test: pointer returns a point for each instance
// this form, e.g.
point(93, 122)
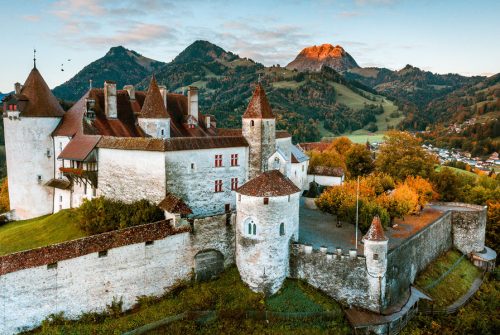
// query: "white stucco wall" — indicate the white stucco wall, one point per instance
point(27, 141)
point(131, 175)
point(196, 186)
point(324, 180)
point(298, 174)
point(263, 258)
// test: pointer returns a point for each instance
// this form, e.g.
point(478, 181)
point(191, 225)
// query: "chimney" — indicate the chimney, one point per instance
point(193, 101)
point(110, 99)
point(164, 92)
point(207, 121)
point(17, 88)
point(131, 91)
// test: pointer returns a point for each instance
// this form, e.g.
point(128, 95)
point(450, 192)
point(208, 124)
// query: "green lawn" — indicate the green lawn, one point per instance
point(227, 295)
point(39, 232)
point(457, 171)
point(454, 285)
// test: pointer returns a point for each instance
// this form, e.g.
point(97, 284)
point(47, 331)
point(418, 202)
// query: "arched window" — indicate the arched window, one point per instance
point(250, 228)
point(252, 123)
point(254, 229)
point(282, 229)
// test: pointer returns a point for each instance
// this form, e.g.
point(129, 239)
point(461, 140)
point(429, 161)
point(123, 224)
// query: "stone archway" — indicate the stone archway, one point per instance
point(208, 264)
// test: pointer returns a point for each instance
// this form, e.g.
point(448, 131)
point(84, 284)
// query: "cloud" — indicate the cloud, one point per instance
point(31, 18)
point(142, 33)
point(374, 2)
point(349, 14)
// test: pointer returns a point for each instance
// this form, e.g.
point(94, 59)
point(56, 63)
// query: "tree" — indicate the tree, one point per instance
point(448, 185)
point(400, 202)
point(341, 145)
point(401, 156)
point(359, 161)
point(4, 196)
point(423, 188)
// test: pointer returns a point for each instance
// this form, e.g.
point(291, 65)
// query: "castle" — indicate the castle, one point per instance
point(230, 196)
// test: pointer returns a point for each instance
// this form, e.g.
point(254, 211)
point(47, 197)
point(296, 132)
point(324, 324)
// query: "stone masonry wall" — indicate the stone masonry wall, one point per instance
point(469, 228)
point(413, 255)
point(32, 285)
point(341, 276)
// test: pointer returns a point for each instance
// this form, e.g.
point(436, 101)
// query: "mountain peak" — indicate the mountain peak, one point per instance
point(313, 58)
point(203, 51)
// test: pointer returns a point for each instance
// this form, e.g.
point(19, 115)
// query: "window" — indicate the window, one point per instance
point(288, 198)
point(266, 201)
point(60, 198)
point(94, 191)
point(148, 243)
point(163, 132)
point(252, 123)
point(234, 184)
point(254, 229)
point(249, 228)
point(218, 186)
point(218, 160)
point(302, 168)
point(375, 256)
point(60, 146)
point(227, 208)
point(52, 266)
point(85, 188)
point(234, 159)
point(282, 229)
point(103, 253)
point(39, 178)
point(239, 197)
point(192, 166)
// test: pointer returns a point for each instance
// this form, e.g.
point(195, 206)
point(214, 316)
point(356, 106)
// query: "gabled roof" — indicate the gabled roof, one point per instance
point(259, 107)
point(376, 231)
point(154, 107)
point(79, 148)
point(298, 156)
point(173, 204)
point(321, 170)
point(268, 184)
point(36, 98)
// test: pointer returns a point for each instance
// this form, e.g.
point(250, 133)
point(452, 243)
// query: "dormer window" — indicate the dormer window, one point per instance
point(252, 123)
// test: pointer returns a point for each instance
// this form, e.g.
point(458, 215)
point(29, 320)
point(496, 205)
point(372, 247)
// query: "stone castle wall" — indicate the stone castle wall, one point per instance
point(341, 276)
point(413, 255)
point(87, 274)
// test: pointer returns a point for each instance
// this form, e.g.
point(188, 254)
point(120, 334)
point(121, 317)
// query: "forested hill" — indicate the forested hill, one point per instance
point(413, 89)
point(119, 64)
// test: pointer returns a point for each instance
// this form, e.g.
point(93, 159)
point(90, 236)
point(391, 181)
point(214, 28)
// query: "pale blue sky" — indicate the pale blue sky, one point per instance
point(439, 36)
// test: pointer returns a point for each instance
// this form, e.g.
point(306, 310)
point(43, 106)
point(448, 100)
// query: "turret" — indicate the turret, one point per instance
point(154, 118)
point(267, 220)
point(375, 251)
point(259, 129)
point(33, 113)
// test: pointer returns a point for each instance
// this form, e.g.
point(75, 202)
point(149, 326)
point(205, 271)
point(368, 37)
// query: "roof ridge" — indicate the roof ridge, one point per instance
point(258, 107)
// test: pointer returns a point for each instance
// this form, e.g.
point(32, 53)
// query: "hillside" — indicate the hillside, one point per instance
point(314, 58)
point(412, 88)
point(119, 64)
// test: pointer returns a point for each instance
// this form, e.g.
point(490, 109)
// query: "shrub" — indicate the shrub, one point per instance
point(101, 215)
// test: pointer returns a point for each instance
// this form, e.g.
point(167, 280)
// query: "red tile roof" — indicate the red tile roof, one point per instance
point(319, 146)
point(376, 231)
point(80, 147)
point(173, 204)
point(172, 144)
point(153, 106)
point(269, 184)
point(36, 98)
point(259, 107)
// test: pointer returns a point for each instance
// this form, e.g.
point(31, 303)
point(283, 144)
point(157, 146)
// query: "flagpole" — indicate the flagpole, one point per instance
point(357, 215)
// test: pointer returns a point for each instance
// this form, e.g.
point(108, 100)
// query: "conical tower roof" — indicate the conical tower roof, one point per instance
point(259, 107)
point(376, 231)
point(36, 98)
point(153, 107)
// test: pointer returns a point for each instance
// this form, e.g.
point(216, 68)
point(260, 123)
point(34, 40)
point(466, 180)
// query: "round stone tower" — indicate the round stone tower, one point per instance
point(375, 251)
point(267, 219)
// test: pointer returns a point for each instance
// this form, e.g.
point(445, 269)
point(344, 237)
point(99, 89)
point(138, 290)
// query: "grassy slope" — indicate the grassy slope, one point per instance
point(454, 285)
point(38, 232)
point(457, 171)
point(228, 294)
